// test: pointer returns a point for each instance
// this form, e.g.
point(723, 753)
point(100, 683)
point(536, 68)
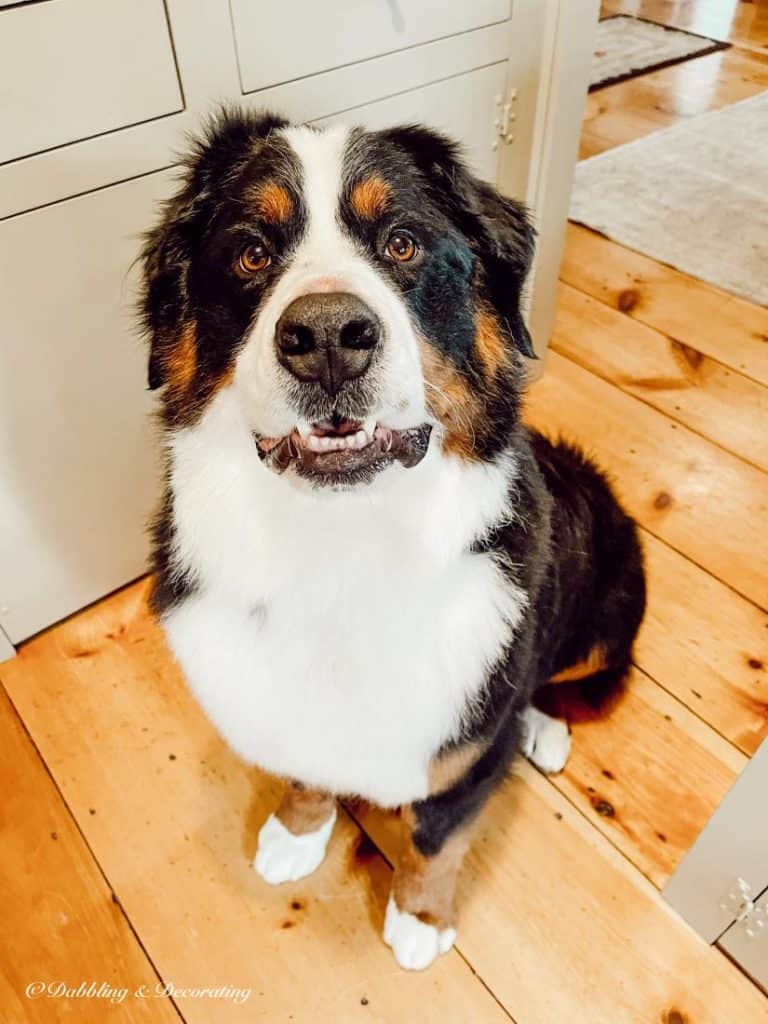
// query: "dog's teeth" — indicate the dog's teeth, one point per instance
point(369, 426)
point(361, 439)
point(384, 434)
point(304, 428)
point(314, 443)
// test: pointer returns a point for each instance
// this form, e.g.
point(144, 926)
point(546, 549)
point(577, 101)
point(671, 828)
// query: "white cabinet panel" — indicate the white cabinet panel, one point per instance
point(282, 40)
point(746, 942)
point(69, 70)
point(77, 472)
point(733, 846)
point(462, 106)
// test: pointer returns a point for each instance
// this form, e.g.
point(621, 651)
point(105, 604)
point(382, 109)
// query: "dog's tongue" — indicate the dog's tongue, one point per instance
point(341, 429)
point(405, 446)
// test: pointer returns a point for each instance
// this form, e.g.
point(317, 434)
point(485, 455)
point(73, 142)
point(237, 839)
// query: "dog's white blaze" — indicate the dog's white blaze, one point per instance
point(327, 259)
point(336, 638)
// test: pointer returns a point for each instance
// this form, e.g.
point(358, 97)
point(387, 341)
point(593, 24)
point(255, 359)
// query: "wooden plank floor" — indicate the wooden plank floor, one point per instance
point(128, 828)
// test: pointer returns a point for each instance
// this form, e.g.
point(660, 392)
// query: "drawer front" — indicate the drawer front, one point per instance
point(70, 70)
point(78, 478)
point(462, 106)
point(282, 41)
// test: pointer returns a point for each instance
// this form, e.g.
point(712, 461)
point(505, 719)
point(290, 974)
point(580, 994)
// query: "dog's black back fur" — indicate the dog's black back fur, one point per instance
point(577, 555)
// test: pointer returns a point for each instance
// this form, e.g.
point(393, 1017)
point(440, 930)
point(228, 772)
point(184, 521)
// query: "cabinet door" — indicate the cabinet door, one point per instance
point(282, 41)
point(732, 848)
point(462, 106)
point(746, 942)
point(77, 473)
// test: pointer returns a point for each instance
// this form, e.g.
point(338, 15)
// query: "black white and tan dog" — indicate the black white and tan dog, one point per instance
point(369, 570)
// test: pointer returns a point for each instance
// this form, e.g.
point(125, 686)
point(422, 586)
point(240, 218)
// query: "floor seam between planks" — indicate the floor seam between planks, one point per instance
point(649, 527)
point(76, 823)
point(584, 364)
point(691, 709)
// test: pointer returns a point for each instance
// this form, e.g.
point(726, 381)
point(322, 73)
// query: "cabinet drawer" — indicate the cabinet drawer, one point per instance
point(281, 41)
point(70, 70)
point(462, 106)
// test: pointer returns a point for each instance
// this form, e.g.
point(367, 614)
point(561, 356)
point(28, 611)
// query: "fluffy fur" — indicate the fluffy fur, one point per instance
point(367, 575)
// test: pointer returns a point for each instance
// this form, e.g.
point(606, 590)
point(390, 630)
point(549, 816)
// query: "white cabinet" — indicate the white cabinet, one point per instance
point(77, 464)
point(96, 98)
point(444, 105)
point(721, 886)
point(282, 40)
point(82, 67)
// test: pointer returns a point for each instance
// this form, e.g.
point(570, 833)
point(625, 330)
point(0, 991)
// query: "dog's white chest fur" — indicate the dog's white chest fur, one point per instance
point(336, 638)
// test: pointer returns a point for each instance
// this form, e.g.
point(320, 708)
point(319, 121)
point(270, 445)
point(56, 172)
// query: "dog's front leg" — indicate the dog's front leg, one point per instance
point(292, 841)
point(420, 919)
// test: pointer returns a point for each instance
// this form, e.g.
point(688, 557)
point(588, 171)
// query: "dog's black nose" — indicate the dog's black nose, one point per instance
point(327, 338)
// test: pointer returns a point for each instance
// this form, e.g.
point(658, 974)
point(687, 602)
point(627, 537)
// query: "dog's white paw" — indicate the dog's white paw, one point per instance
point(284, 857)
point(414, 943)
point(547, 741)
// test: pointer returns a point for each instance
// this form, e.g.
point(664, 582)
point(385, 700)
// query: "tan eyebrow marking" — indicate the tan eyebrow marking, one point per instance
point(274, 202)
point(370, 197)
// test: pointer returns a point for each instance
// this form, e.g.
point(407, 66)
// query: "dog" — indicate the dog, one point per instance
point(368, 569)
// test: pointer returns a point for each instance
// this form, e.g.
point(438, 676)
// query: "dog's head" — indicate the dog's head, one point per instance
point(350, 290)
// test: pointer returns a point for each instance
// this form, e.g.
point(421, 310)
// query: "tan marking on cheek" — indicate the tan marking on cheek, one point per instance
point(370, 197)
point(304, 810)
point(426, 886)
point(224, 380)
point(180, 364)
point(447, 769)
point(274, 203)
point(489, 345)
point(452, 401)
point(595, 661)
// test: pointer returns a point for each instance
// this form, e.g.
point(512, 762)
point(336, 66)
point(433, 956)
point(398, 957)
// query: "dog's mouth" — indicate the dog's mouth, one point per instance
point(343, 451)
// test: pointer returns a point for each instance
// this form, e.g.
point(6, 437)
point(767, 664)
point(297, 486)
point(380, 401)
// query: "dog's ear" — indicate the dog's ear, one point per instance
point(498, 229)
point(216, 155)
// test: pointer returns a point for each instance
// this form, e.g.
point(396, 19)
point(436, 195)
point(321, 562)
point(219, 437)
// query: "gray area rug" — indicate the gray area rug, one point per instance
point(627, 46)
point(694, 196)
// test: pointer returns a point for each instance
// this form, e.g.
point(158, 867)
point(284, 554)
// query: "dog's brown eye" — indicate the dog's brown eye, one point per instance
point(254, 258)
point(401, 246)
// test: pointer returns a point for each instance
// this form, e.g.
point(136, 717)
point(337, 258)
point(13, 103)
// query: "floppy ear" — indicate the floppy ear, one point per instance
point(498, 229)
point(507, 262)
point(165, 257)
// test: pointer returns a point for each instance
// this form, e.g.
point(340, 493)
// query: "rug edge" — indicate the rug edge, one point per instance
point(716, 46)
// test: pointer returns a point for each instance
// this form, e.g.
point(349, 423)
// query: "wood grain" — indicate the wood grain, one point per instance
point(60, 922)
point(563, 928)
point(691, 388)
point(719, 325)
point(172, 817)
point(621, 113)
point(701, 500)
point(744, 23)
point(649, 776)
point(705, 645)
